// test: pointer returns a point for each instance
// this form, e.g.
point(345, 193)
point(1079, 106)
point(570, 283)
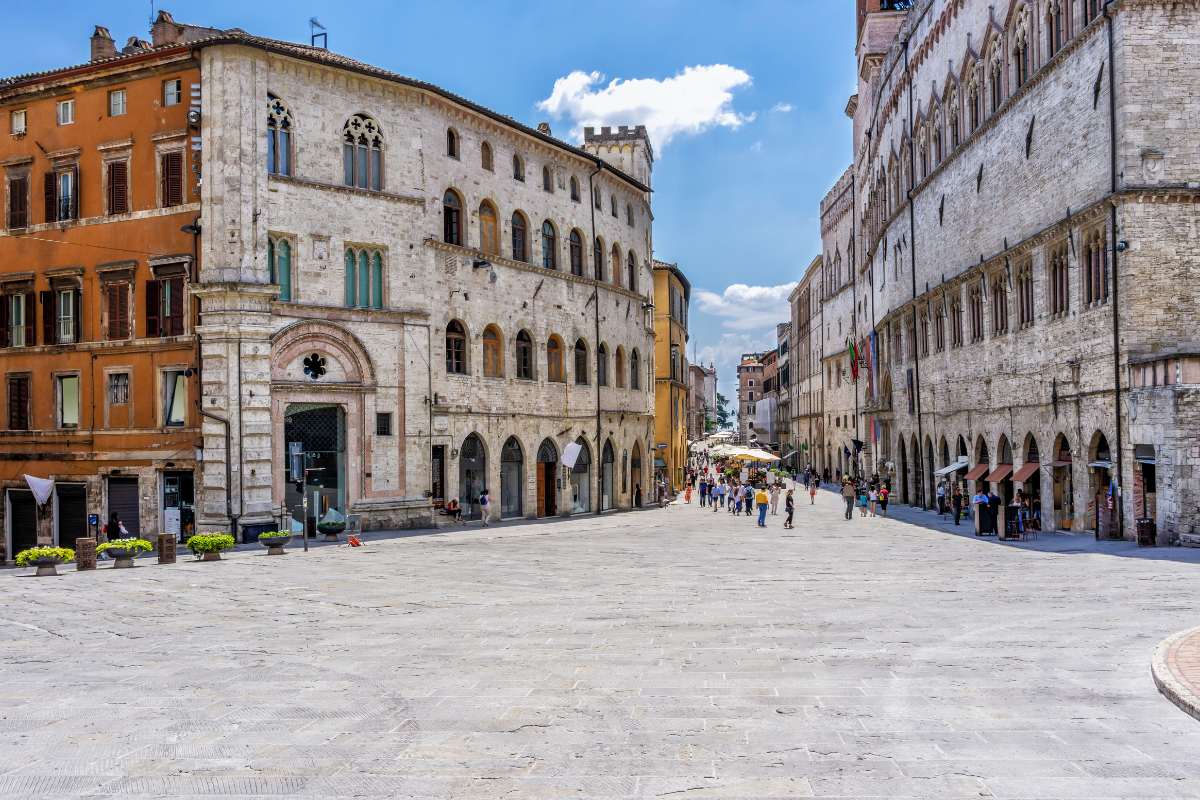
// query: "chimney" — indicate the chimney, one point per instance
point(165, 30)
point(103, 45)
point(135, 45)
point(544, 127)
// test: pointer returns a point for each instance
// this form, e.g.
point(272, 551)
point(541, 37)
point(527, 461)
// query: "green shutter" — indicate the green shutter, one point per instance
point(364, 279)
point(270, 260)
point(351, 284)
point(376, 281)
point(284, 271)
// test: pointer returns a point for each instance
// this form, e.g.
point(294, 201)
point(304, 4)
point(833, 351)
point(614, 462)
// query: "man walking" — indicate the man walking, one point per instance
point(956, 501)
point(789, 506)
point(703, 491)
point(848, 496)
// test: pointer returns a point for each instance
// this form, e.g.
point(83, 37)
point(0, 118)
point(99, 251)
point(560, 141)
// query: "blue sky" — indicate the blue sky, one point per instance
point(754, 136)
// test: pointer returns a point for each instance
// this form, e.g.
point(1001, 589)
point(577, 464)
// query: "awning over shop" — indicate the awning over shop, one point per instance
point(1022, 475)
point(1001, 472)
point(1101, 464)
point(955, 467)
point(658, 462)
point(977, 472)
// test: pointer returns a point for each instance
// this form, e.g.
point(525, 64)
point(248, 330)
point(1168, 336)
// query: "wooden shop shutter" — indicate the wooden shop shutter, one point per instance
point(18, 403)
point(118, 311)
point(30, 312)
point(50, 185)
point(118, 187)
point(172, 179)
point(49, 318)
point(5, 339)
point(77, 313)
point(174, 320)
point(18, 202)
point(152, 309)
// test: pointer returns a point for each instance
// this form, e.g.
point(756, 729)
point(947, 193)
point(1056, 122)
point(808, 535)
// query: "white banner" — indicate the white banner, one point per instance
point(42, 487)
point(571, 454)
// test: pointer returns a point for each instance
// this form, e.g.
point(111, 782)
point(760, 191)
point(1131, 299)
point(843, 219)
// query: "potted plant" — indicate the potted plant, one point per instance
point(274, 541)
point(208, 546)
point(45, 558)
point(124, 550)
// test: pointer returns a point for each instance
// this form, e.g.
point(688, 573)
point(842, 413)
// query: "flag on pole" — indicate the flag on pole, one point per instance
point(853, 348)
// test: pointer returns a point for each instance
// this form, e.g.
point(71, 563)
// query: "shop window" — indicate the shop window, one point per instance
point(174, 398)
point(67, 390)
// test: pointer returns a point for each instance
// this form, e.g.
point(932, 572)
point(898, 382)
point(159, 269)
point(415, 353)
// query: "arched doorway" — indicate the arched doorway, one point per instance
point(930, 486)
point(512, 479)
point(1103, 488)
point(1028, 479)
point(983, 465)
point(1063, 485)
point(581, 479)
point(607, 465)
point(914, 454)
point(1003, 472)
point(903, 451)
point(635, 474)
point(315, 434)
point(547, 479)
point(472, 475)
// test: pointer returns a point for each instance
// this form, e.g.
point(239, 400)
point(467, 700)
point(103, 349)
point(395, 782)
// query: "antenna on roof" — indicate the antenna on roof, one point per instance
point(151, 12)
point(313, 36)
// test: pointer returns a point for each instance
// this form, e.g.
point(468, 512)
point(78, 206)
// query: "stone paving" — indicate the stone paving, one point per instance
point(1177, 670)
point(669, 653)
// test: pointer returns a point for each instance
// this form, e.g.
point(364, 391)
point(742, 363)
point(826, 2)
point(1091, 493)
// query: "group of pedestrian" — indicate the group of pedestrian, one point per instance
point(739, 497)
point(869, 495)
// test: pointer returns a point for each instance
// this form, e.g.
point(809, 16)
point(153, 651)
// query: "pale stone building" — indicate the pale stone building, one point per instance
point(406, 298)
point(702, 400)
point(806, 426)
point(1025, 203)
point(749, 392)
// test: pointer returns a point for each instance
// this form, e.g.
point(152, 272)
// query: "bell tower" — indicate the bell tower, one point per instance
point(628, 149)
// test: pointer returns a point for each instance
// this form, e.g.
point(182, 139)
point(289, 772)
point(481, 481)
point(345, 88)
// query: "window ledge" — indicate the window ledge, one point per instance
point(354, 190)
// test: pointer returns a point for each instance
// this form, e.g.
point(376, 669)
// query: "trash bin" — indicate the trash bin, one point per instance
point(1147, 532)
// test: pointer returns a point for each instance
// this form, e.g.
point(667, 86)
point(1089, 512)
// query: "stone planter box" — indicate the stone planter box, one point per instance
point(275, 544)
point(214, 556)
point(123, 557)
point(46, 567)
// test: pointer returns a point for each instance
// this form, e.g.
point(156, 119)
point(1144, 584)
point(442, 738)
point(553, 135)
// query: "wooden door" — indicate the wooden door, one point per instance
point(541, 489)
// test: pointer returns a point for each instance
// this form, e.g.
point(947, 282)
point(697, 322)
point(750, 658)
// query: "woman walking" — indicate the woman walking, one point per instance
point(872, 498)
point(789, 507)
point(775, 500)
point(764, 501)
point(884, 493)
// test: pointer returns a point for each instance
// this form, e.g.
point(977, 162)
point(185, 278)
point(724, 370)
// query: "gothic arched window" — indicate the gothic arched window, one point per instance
point(279, 137)
point(362, 153)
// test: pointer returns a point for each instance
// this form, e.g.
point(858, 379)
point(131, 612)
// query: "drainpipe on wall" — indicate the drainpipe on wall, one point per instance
point(1116, 284)
point(912, 251)
point(596, 314)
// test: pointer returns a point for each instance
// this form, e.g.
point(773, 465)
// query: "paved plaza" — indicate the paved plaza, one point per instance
point(667, 653)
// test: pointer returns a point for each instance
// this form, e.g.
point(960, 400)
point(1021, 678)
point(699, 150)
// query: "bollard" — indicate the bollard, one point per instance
point(85, 554)
point(166, 548)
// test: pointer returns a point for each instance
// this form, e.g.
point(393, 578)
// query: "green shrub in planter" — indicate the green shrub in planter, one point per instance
point(124, 551)
point(274, 541)
point(210, 545)
point(45, 558)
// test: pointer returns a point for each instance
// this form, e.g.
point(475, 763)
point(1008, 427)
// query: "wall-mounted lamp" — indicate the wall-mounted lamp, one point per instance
point(1122, 246)
point(647, 305)
point(192, 227)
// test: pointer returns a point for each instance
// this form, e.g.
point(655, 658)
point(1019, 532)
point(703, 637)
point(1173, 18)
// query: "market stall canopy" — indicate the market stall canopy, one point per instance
point(955, 467)
point(722, 436)
point(748, 454)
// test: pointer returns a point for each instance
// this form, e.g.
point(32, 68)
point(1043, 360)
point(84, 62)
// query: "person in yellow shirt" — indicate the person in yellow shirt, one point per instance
point(763, 500)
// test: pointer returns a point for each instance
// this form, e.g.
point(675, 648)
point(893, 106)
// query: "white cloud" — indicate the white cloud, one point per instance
point(782, 108)
point(748, 308)
point(690, 102)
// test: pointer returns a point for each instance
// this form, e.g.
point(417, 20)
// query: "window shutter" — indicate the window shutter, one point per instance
point(118, 187)
point(5, 340)
point(123, 323)
point(18, 202)
point(152, 309)
point(75, 191)
point(51, 191)
point(172, 179)
point(48, 318)
point(77, 313)
point(175, 328)
point(30, 315)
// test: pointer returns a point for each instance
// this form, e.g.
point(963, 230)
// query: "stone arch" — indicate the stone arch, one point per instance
point(291, 344)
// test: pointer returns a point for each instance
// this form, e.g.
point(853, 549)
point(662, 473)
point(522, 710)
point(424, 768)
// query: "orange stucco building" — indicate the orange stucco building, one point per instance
point(97, 253)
